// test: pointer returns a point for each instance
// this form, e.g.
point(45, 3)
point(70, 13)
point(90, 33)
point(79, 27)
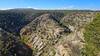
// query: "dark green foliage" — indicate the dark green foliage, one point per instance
point(6, 42)
point(10, 45)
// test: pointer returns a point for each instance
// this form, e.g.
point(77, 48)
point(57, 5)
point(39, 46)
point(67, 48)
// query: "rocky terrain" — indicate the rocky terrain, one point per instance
point(30, 32)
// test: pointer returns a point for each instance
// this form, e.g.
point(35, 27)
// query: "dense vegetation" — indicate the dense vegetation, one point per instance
point(13, 20)
point(92, 38)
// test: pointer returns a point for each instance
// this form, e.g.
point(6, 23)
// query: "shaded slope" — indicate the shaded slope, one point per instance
point(13, 21)
point(7, 41)
point(10, 45)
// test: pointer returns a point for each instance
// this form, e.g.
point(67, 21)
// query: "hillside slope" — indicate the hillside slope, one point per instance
point(92, 38)
point(43, 32)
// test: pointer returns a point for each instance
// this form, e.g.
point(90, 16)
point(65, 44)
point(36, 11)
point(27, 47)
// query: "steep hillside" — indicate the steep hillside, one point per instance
point(92, 38)
point(10, 45)
point(13, 20)
point(7, 41)
point(28, 32)
point(73, 42)
point(45, 34)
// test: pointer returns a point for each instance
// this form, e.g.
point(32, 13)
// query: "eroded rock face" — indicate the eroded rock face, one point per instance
point(63, 50)
point(77, 20)
point(46, 34)
point(47, 37)
point(75, 40)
